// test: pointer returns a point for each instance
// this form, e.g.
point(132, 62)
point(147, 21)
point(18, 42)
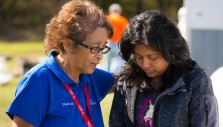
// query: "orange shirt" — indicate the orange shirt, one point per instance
point(119, 24)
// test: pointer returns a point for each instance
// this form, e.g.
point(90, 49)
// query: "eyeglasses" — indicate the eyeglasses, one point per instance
point(94, 50)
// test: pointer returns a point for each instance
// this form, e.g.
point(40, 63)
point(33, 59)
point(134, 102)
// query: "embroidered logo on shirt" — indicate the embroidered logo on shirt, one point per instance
point(92, 103)
point(67, 103)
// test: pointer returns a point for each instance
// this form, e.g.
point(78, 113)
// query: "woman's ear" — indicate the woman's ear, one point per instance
point(67, 45)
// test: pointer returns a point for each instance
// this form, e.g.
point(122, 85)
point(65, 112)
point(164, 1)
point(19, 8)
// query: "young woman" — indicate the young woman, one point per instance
point(160, 86)
point(66, 89)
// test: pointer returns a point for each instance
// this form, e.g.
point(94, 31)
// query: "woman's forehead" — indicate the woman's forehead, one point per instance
point(143, 48)
point(98, 37)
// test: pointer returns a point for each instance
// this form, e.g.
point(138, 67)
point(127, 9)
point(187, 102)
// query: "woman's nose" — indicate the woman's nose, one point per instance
point(146, 63)
point(99, 55)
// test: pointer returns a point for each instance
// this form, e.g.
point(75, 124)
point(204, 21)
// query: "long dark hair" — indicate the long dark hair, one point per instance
point(160, 33)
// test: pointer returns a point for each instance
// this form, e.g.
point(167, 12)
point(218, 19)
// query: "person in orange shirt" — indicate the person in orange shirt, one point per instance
point(119, 23)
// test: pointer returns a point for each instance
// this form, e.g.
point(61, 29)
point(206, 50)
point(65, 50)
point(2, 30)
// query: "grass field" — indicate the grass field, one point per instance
point(30, 50)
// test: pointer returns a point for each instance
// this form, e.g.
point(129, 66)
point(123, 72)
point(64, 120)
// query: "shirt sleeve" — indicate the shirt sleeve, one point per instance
point(31, 98)
point(116, 118)
point(203, 105)
point(102, 81)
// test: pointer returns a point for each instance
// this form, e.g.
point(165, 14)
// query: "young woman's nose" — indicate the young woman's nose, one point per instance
point(146, 63)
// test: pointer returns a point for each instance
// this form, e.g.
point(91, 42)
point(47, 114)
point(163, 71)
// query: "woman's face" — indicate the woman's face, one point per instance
point(82, 61)
point(150, 61)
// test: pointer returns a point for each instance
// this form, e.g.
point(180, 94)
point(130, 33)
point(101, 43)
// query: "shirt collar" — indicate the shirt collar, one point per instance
point(58, 71)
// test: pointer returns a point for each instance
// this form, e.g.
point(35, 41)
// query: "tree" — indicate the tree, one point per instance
point(19, 16)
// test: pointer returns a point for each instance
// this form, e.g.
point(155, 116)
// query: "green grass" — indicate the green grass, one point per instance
point(106, 106)
point(7, 95)
point(28, 50)
point(22, 49)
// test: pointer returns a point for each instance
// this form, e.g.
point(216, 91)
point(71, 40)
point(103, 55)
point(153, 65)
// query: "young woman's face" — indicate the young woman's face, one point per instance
point(150, 61)
point(82, 60)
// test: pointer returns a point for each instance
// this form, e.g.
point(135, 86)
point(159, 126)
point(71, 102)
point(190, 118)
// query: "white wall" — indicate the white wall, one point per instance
point(204, 14)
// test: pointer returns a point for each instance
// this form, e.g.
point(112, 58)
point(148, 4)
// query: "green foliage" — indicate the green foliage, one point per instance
point(7, 95)
point(28, 13)
point(19, 16)
point(133, 7)
point(22, 49)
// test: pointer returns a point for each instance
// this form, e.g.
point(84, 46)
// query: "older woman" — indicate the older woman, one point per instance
point(66, 89)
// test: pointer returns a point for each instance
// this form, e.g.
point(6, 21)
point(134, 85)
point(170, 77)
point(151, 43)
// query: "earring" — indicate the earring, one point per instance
point(131, 58)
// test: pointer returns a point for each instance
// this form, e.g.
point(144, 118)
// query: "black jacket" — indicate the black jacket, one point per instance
point(190, 102)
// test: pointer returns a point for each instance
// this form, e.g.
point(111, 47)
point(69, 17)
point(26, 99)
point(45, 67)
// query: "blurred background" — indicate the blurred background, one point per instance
point(22, 24)
point(25, 19)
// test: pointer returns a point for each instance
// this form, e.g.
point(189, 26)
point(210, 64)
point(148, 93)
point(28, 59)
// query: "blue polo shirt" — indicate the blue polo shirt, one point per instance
point(42, 100)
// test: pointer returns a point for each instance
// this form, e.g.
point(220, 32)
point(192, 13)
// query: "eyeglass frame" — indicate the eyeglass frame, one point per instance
point(97, 49)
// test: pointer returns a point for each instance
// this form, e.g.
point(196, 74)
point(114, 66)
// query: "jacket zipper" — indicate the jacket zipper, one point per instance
point(176, 90)
point(206, 111)
point(179, 90)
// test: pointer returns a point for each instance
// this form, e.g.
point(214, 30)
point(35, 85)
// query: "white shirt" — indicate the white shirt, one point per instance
point(217, 82)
